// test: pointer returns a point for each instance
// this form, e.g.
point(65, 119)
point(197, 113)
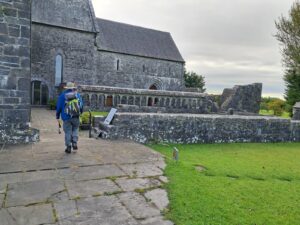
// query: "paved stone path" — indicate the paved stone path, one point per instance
point(105, 182)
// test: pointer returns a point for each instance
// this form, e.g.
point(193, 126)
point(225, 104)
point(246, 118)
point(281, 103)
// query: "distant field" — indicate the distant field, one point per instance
point(271, 113)
point(241, 184)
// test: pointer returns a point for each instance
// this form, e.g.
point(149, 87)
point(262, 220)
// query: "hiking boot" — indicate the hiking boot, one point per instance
point(68, 150)
point(75, 147)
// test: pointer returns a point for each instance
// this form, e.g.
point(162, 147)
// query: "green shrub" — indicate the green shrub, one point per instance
point(52, 104)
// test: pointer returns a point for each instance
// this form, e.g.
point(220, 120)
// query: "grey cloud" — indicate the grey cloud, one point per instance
point(229, 42)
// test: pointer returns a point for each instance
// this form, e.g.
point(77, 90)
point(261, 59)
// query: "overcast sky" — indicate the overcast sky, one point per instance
point(228, 41)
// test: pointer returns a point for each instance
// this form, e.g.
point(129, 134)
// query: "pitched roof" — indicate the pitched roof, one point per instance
point(134, 40)
point(73, 14)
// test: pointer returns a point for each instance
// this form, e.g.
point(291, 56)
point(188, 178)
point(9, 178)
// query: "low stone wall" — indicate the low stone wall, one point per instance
point(191, 128)
point(103, 98)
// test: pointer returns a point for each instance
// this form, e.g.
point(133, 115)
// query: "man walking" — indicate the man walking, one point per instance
point(69, 106)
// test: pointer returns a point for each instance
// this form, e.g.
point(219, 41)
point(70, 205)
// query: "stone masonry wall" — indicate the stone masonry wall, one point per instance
point(15, 72)
point(76, 48)
point(242, 98)
point(191, 128)
point(138, 72)
point(86, 65)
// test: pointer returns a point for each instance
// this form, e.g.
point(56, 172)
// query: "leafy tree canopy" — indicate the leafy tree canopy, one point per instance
point(288, 35)
point(193, 80)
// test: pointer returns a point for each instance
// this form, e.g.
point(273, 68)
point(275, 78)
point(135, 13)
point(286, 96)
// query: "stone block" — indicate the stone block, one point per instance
point(17, 116)
point(90, 188)
point(138, 205)
point(25, 32)
point(3, 28)
point(10, 12)
point(156, 221)
point(11, 100)
point(142, 169)
point(98, 172)
point(102, 210)
point(139, 183)
point(20, 72)
point(32, 215)
point(11, 82)
point(25, 101)
point(11, 50)
point(13, 32)
point(9, 59)
point(39, 175)
point(16, 93)
point(6, 40)
point(65, 210)
point(22, 194)
point(24, 51)
point(159, 197)
point(6, 218)
point(24, 84)
point(23, 14)
point(1, 200)
point(4, 93)
point(24, 6)
point(25, 62)
point(23, 41)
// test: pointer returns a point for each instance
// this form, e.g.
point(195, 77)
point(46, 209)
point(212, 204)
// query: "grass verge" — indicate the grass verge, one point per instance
point(241, 183)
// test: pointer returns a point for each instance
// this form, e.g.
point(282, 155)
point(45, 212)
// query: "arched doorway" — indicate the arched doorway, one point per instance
point(39, 93)
point(150, 101)
point(153, 87)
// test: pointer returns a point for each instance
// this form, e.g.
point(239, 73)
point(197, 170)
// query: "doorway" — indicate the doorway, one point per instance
point(39, 93)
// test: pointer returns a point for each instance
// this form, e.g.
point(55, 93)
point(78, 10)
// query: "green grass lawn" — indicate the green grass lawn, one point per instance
point(242, 184)
point(84, 117)
point(271, 113)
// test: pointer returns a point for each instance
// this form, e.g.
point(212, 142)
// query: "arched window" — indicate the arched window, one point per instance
point(118, 64)
point(58, 70)
point(153, 87)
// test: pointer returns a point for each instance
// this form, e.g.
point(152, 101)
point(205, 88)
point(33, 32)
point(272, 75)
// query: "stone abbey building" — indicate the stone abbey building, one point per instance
point(70, 44)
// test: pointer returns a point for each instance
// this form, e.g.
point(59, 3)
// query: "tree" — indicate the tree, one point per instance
point(277, 105)
point(193, 80)
point(288, 34)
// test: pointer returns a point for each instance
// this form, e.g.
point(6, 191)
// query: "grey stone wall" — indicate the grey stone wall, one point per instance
point(138, 72)
point(75, 14)
point(15, 72)
point(191, 128)
point(76, 48)
point(242, 98)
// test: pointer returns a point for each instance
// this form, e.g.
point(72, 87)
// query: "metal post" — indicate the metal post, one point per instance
point(90, 123)
point(175, 154)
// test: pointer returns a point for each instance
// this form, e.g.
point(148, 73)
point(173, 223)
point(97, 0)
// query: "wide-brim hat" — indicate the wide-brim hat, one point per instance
point(70, 85)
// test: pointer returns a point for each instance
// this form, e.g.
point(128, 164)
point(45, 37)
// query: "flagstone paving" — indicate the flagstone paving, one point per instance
point(105, 182)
